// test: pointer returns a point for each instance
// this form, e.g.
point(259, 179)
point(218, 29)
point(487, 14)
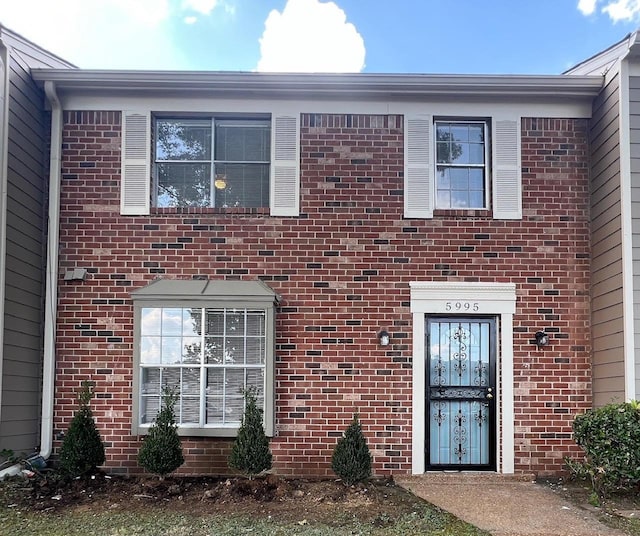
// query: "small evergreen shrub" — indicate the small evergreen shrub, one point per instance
point(351, 459)
point(82, 449)
point(610, 438)
point(161, 450)
point(250, 452)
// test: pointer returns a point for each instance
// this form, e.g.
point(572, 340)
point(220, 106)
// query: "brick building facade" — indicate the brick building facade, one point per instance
point(342, 269)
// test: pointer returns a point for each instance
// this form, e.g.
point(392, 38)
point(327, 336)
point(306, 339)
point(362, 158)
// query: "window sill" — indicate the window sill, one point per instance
point(463, 213)
point(186, 431)
point(261, 211)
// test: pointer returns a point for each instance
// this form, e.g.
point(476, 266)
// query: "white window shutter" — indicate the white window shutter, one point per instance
point(135, 189)
point(507, 169)
point(419, 172)
point(285, 165)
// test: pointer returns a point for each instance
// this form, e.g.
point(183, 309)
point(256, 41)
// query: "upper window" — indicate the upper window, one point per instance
point(212, 162)
point(207, 342)
point(461, 164)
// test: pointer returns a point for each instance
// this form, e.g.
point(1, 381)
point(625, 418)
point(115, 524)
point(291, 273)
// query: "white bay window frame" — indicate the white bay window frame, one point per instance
point(218, 295)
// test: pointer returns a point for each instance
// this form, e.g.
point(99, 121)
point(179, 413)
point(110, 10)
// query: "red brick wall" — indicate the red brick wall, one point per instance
point(342, 269)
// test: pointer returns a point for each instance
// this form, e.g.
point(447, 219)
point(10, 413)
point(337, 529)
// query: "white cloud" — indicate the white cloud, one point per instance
point(205, 7)
point(622, 10)
point(618, 10)
point(310, 36)
point(108, 34)
point(587, 7)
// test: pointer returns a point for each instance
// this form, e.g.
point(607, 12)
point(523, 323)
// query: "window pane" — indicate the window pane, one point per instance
point(255, 323)
point(150, 349)
point(476, 133)
point(171, 321)
point(442, 178)
point(215, 382)
point(149, 408)
point(215, 322)
point(459, 178)
point(255, 378)
point(476, 153)
point(150, 382)
point(215, 409)
point(476, 179)
point(235, 322)
point(444, 199)
point(459, 132)
point(443, 152)
point(245, 185)
point(459, 199)
point(191, 350)
point(171, 380)
point(214, 350)
point(190, 411)
point(171, 350)
point(180, 139)
point(233, 410)
point(255, 351)
point(243, 141)
point(234, 382)
point(184, 185)
point(476, 199)
point(190, 382)
point(150, 321)
point(191, 322)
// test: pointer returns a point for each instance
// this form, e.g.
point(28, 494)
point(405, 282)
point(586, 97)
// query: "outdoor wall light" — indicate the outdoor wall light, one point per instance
point(542, 339)
point(383, 337)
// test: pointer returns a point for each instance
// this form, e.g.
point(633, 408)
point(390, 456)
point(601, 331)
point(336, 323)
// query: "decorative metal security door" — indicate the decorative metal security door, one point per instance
point(461, 419)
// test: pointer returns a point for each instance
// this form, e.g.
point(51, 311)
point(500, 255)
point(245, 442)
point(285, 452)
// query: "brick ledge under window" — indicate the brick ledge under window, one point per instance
point(211, 210)
point(463, 212)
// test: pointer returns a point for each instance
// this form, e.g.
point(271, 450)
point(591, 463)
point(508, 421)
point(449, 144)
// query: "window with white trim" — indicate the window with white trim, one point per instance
point(207, 353)
point(461, 164)
point(212, 162)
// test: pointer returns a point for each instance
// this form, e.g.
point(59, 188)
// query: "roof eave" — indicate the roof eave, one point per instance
point(315, 84)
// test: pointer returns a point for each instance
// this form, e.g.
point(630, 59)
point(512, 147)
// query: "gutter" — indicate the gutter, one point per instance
point(319, 84)
point(51, 288)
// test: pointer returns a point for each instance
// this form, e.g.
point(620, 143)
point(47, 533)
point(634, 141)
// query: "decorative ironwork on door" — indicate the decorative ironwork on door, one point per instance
point(460, 394)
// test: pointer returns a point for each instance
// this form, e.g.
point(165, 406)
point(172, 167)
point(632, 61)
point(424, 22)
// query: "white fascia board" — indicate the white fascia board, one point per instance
point(357, 85)
point(561, 108)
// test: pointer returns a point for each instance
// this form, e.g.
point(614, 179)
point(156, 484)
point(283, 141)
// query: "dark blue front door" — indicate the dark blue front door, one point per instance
point(461, 420)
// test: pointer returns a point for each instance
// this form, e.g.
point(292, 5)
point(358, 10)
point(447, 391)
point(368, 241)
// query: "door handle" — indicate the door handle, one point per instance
point(489, 393)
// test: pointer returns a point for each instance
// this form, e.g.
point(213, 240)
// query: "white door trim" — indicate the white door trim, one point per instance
point(449, 298)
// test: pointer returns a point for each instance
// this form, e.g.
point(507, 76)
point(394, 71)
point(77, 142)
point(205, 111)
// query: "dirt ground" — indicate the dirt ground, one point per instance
point(287, 500)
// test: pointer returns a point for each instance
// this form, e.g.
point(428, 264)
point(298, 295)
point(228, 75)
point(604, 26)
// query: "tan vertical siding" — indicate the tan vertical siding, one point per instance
point(606, 229)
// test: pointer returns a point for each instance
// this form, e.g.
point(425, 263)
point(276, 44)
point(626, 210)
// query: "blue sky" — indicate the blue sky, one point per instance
point(412, 36)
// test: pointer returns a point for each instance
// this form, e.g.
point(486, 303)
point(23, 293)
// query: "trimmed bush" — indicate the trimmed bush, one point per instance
point(610, 437)
point(161, 450)
point(250, 452)
point(82, 448)
point(351, 459)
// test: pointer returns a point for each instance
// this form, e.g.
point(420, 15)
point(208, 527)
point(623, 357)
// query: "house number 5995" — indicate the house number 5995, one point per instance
point(461, 306)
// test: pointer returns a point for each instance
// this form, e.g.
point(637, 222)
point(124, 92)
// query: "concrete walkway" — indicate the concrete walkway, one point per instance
point(505, 505)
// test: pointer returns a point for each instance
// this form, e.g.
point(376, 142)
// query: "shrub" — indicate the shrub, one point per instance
point(82, 448)
point(351, 459)
point(250, 452)
point(610, 437)
point(161, 450)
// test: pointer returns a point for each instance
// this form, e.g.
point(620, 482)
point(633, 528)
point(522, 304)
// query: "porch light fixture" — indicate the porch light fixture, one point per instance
point(542, 339)
point(220, 182)
point(383, 337)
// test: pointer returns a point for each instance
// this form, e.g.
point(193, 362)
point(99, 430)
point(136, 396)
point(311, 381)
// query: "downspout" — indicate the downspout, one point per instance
point(51, 285)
